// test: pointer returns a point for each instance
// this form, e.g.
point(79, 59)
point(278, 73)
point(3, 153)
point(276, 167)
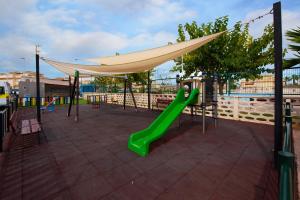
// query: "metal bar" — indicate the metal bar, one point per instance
point(124, 101)
point(215, 99)
point(132, 95)
point(37, 75)
point(77, 96)
point(149, 88)
point(2, 129)
point(9, 110)
point(72, 97)
point(278, 129)
point(286, 161)
point(70, 86)
point(203, 105)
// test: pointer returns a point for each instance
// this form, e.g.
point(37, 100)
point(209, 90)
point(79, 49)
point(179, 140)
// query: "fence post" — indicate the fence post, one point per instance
point(278, 129)
point(38, 96)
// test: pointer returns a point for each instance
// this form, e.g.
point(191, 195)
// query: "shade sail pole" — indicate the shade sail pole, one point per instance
point(72, 97)
point(37, 76)
point(132, 95)
point(70, 87)
point(124, 101)
point(278, 129)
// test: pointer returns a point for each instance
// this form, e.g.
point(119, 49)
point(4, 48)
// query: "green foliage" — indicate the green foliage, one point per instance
point(114, 83)
point(235, 54)
point(294, 37)
point(139, 78)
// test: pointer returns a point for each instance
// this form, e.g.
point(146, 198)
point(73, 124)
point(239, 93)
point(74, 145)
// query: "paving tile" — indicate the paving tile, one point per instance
point(106, 163)
point(91, 189)
point(79, 174)
point(126, 156)
point(132, 192)
point(121, 175)
point(90, 160)
point(190, 187)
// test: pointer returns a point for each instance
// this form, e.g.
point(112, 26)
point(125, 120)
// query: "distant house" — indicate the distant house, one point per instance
point(13, 78)
point(48, 88)
point(266, 84)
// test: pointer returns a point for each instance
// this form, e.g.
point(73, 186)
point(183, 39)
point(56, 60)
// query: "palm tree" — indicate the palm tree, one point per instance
point(293, 36)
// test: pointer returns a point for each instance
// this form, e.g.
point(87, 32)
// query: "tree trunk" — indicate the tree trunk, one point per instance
point(221, 87)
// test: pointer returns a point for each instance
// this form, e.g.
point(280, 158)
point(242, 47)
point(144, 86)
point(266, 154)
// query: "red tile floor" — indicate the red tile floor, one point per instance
point(90, 159)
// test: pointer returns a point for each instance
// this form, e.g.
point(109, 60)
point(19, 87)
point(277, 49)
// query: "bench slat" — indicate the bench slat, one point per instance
point(25, 123)
point(25, 130)
point(35, 128)
point(33, 121)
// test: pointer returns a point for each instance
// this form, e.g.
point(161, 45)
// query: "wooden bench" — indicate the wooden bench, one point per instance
point(163, 101)
point(12, 134)
point(31, 127)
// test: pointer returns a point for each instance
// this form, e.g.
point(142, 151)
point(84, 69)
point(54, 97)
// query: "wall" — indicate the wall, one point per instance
point(27, 88)
point(251, 109)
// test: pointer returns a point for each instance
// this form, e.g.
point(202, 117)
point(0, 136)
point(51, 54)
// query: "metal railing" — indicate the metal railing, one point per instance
point(5, 113)
point(286, 159)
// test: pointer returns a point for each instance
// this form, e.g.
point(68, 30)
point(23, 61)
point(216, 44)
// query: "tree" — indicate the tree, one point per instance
point(293, 36)
point(233, 55)
point(110, 82)
point(295, 78)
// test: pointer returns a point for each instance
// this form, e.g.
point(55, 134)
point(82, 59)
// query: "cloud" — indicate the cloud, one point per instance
point(56, 30)
point(165, 11)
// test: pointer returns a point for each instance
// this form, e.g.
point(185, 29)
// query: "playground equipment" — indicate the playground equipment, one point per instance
point(50, 106)
point(139, 142)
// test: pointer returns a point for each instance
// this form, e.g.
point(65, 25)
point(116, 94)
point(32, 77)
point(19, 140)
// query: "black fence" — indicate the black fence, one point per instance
point(5, 113)
point(264, 85)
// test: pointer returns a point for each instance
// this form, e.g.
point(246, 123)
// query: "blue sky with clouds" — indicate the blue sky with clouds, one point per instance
point(79, 29)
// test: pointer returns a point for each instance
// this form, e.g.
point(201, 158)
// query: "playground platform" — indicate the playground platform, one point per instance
point(90, 159)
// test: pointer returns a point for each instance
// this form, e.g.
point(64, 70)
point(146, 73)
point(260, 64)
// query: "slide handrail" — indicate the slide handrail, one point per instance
point(286, 159)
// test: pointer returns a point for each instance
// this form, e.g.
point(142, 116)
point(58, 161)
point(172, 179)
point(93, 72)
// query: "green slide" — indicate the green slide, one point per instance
point(139, 142)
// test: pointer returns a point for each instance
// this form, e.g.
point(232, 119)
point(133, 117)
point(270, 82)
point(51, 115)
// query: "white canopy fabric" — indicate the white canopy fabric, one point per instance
point(134, 62)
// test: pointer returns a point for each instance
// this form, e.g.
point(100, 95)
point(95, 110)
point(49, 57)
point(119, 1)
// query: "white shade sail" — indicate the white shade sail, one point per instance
point(134, 62)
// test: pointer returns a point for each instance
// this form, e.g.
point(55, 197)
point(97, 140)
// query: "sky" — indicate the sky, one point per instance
point(73, 31)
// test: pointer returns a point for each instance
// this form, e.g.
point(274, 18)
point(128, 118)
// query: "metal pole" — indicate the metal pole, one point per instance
point(278, 79)
point(177, 81)
point(215, 99)
point(77, 96)
point(203, 104)
point(37, 76)
point(132, 95)
point(70, 86)
point(124, 101)
point(149, 88)
point(72, 96)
